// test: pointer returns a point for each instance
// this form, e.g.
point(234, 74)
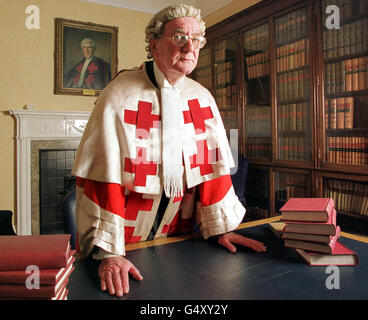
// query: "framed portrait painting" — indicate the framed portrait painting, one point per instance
point(85, 57)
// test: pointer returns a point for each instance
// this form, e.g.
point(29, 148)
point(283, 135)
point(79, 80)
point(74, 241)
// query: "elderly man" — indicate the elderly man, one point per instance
point(91, 72)
point(154, 156)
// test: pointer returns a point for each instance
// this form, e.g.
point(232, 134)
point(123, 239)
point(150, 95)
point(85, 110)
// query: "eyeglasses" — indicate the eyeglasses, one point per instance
point(181, 40)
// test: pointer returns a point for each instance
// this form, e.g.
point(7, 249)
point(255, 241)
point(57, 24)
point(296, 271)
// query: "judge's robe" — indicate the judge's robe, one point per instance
point(119, 170)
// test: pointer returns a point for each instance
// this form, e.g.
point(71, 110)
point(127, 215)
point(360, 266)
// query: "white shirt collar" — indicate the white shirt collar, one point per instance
point(161, 80)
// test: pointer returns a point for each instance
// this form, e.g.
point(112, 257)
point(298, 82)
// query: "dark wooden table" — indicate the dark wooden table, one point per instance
point(195, 269)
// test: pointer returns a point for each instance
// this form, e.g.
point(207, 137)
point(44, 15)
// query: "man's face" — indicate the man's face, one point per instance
point(172, 60)
point(87, 50)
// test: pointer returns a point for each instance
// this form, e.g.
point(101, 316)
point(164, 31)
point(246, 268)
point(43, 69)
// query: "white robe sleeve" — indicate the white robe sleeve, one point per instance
point(219, 209)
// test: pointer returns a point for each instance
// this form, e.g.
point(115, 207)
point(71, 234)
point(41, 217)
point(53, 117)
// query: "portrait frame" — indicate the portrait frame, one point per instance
point(69, 54)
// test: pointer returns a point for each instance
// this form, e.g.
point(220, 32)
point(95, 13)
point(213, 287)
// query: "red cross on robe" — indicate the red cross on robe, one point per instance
point(128, 235)
point(140, 167)
point(204, 158)
point(135, 203)
point(197, 115)
point(143, 119)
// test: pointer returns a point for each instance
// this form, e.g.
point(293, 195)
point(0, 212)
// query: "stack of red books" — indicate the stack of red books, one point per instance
point(310, 227)
point(35, 266)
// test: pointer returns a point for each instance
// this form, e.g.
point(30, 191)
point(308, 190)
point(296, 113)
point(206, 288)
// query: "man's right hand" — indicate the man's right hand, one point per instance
point(114, 275)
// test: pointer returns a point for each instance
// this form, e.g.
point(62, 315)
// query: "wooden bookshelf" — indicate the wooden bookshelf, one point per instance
point(345, 79)
point(298, 94)
point(225, 89)
point(257, 103)
point(203, 70)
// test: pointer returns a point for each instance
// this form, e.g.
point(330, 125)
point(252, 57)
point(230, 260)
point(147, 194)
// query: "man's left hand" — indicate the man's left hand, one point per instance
point(228, 240)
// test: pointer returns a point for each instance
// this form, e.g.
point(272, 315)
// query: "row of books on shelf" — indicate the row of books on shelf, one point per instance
point(292, 55)
point(291, 26)
point(222, 51)
point(203, 76)
point(339, 113)
point(309, 226)
point(258, 65)
point(293, 117)
point(226, 98)
point(349, 196)
point(347, 8)
point(293, 85)
point(258, 120)
point(347, 75)
point(259, 147)
point(204, 58)
point(256, 39)
point(290, 186)
point(224, 73)
point(294, 148)
point(347, 150)
point(229, 118)
point(35, 267)
point(349, 39)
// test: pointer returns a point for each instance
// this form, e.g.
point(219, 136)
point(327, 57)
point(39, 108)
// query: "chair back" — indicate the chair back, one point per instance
point(69, 215)
point(6, 224)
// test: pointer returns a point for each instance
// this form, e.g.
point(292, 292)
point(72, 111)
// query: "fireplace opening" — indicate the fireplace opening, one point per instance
point(56, 181)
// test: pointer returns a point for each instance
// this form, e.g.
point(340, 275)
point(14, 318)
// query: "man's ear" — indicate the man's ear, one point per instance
point(152, 44)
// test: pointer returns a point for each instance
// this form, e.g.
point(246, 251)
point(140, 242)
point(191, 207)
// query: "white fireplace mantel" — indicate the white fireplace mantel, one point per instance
point(39, 125)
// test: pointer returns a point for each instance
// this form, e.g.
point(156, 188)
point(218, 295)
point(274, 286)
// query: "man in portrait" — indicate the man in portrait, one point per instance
point(91, 72)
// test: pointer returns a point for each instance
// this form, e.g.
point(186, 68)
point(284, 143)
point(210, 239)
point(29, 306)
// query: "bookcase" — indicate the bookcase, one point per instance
point(297, 92)
point(345, 92)
point(258, 200)
point(293, 90)
point(257, 97)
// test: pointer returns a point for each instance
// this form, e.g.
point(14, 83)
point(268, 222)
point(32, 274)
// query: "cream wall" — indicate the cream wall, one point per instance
point(27, 65)
point(228, 10)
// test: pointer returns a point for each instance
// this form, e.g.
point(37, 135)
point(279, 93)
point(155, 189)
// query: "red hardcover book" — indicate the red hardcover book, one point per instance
point(44, 291)
point(340, 256)
point(321, 228)
point(333, 113)
point(321, 238)
point(61, 295)
point(314, 246)
point(45, 251)
point(307, 237)
point(307, 209)
point(47, 276)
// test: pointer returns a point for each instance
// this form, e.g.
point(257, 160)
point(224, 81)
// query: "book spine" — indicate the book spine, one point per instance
point(327, 114)
point(353, 38)
point(361, 69)
point(359, 36)
point(333, 114)
point(340, 113)
point(348, 112)
point(329, 150)
point(355, 76)
point(333, 78)
point(348, 75)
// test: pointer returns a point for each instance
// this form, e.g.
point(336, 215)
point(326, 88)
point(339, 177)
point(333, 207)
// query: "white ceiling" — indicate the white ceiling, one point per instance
point(153, 6)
